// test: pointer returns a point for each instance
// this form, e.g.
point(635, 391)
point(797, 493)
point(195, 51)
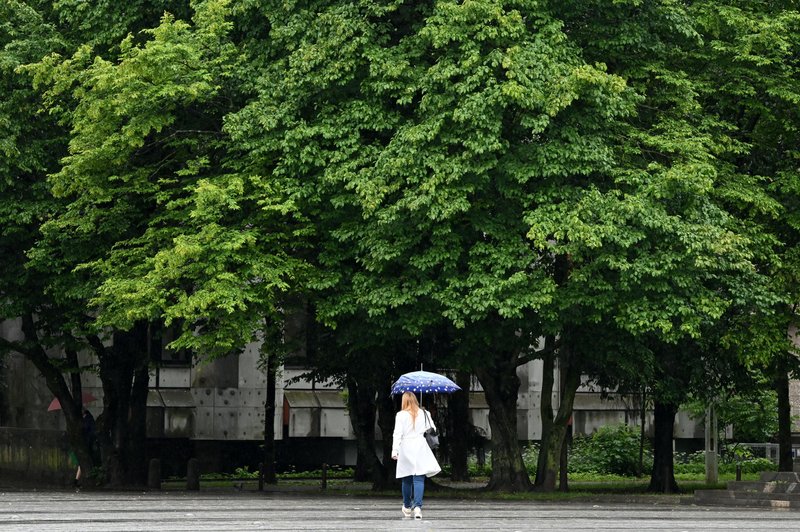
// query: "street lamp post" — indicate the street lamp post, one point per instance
point(711, 445)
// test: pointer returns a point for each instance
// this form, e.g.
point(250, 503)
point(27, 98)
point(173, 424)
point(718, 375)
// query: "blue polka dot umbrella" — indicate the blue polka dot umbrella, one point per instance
point(424, 382)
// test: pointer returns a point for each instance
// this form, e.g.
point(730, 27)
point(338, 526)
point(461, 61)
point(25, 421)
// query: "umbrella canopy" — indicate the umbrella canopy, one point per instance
point(86, 397)
point(424, 382)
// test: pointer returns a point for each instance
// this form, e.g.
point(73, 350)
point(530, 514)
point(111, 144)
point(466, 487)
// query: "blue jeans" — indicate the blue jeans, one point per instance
point(413, 484)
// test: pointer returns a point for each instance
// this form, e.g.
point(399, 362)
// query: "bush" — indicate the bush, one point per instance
point(530, 456)
point(751, 465)
point(612, 450)
point(474, 469)
point(689, 463)
point(609, 451)
point(695, 463)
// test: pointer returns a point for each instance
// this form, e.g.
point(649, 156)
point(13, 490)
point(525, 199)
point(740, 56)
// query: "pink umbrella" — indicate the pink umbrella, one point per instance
point(86, 397)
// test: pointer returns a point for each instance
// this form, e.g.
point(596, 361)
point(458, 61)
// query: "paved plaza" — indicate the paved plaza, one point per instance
point(30, 511)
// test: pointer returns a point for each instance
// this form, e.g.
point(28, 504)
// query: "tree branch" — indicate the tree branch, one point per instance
point(533, 355)
point(96, 344)
point(14, 346)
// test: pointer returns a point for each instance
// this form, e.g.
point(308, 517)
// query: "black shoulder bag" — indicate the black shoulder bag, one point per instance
point(431, 435)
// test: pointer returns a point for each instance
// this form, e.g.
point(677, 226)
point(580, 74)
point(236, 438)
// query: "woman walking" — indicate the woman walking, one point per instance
point(415, 459)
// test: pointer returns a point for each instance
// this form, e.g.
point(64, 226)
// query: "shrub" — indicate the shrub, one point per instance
point(612, 450)
point(695, 463)
point(751, 465)
point(530, 456)
point(244, 472)
point(609, 451)
point(689, 463)
point(477, 470)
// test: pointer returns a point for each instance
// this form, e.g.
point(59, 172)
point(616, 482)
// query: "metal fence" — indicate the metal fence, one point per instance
point(34, 455)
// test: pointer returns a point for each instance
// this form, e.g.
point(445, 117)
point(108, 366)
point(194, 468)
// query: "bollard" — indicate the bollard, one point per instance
point(738, 471)
point(261, 476)
point(154, 474)
point(193, 475)
point(324, 480)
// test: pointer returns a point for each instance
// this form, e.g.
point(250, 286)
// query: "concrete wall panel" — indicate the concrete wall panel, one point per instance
point(226, 423)
point(169, 377)
point(251, 423)
point(204, 422)
point(226, 397)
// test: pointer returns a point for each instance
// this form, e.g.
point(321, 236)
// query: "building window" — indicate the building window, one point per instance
point(160, 337)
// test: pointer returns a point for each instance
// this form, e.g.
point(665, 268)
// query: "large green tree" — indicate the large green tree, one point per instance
point(750, 70)
point(51, 320)
point(656, 249)
point(118, 173)
point(421, 136)
point(172, 220)
point(502, 171)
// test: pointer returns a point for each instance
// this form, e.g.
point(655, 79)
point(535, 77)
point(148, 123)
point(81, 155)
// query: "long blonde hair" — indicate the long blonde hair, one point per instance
point(410, 405)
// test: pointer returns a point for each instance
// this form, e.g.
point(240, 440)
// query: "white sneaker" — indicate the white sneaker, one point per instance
point(417, 513)
point(406, 512)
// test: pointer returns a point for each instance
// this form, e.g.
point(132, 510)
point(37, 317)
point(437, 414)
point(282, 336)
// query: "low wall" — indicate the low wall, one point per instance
point(33, 456)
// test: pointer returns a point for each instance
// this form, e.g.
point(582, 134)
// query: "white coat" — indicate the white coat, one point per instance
point(414, 457)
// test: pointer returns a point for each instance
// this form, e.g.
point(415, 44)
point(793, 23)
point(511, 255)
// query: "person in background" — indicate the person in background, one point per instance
point(90, 437)
point(415, 459)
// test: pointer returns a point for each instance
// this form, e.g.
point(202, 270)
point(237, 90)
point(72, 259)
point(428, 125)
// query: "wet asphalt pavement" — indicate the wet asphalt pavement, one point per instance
point(160, 511)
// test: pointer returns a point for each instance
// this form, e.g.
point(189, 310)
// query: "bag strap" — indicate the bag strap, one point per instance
point(425, 413)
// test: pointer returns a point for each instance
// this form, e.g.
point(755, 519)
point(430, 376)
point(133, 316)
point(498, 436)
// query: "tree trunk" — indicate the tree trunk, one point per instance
point(70, 402)
point(642, 420)
point(139, 356)
point(501, 386)
point(663, 476)
point(563, 478)
point(361, 405)
point(121, 426)
point(460, 429)
point(107, 420)
point(384, 475)
point(785, 462)
point(270, 473)
point(546, 411)
point(137, 470)
point(571, 379)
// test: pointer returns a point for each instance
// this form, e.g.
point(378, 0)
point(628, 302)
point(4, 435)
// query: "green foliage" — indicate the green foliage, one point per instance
point(690, 462)
point(754, 416)
point(530, 455)
point(613, 453)
point(476, 469)
point(162, 222)
point(244, 473)
point(98, 476)
point(695, 463)
point(622, 175)
point(30, 144)
point(610, 450)
point(334, 471)
point(751, 465)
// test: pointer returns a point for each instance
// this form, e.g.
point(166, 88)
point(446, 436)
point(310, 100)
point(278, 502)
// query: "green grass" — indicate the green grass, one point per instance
point(582, 488)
